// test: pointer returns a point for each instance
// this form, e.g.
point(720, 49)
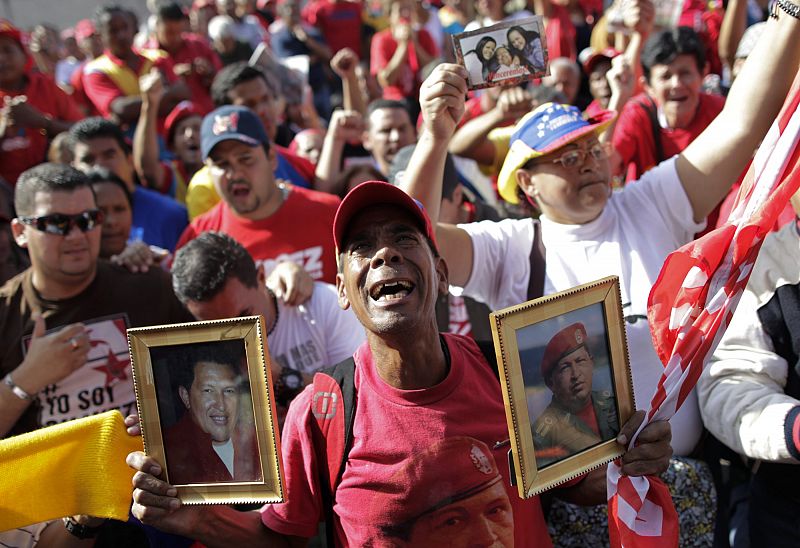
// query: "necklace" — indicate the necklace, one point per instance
point(277, 312)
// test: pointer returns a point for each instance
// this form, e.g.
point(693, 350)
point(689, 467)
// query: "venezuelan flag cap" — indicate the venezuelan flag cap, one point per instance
point(548, 128)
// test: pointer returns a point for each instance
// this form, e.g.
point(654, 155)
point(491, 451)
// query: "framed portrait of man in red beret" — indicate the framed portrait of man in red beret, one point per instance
point(567, 384)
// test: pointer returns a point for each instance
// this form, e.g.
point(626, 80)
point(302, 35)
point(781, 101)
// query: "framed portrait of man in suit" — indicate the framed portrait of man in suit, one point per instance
point(204, 395)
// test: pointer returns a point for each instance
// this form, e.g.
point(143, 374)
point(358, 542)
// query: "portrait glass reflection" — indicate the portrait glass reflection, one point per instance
point(569, 385)
point(206, 412)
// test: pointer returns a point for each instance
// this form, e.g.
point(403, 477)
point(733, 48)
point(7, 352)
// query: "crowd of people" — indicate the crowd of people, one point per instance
point(322, 163)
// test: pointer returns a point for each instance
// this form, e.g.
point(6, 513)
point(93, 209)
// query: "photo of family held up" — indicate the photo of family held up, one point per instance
point(206, 412)
point(506, 53)
point(569, 386)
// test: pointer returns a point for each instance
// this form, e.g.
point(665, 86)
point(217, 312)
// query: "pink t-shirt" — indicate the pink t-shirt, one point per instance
point(390, 427)
point(382, 50)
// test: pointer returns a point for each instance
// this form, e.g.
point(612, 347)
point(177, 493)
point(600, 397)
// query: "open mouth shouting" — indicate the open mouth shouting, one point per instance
point(389, 291)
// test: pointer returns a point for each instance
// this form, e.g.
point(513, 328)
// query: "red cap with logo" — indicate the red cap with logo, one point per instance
point(374, 193)
point(447, 472)
point(564, 342)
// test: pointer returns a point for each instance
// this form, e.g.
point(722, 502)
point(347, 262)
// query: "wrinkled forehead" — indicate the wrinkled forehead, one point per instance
point(372, 219)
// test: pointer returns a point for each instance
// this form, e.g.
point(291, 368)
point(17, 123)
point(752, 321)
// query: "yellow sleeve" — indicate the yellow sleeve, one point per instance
point(500, 137)
point(201, 194)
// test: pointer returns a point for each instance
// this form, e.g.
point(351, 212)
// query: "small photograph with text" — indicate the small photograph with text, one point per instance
point(504, 54)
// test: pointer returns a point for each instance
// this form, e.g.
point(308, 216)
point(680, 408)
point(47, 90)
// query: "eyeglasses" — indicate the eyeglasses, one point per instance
point(575, 157)
point(61, 224)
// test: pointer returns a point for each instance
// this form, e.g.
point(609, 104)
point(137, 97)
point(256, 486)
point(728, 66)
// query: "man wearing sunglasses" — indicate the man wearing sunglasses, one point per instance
point(63, 352)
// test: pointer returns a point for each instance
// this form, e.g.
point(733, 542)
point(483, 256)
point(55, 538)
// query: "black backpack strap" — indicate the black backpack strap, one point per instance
point(537, 259)
point(652, 112)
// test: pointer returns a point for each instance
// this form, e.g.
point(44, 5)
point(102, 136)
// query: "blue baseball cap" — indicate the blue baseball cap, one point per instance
point(231, 123)
point(548, 128)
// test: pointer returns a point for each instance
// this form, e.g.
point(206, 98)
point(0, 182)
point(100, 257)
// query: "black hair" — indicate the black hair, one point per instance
point(202, 267)
point(233, 75)
point(487, 65)
point(170, 11)
point(529, 36)
point(98, 127)
point(664, 47)
point(98, 175)
point(106, 12)
point(380, 104)
point(46, 177)
point(228, 353)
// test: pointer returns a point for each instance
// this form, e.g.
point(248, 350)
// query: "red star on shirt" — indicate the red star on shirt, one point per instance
point(114, 368)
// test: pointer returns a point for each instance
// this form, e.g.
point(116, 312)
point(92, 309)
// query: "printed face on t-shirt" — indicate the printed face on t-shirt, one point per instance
point(484, 519)
point(213, 399)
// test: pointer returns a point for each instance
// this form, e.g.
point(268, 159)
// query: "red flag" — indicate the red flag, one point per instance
point(690, 307)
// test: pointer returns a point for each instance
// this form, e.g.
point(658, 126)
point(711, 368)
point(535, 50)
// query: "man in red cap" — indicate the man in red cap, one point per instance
point(577, 417)
point(32, 108)
point(415, 389)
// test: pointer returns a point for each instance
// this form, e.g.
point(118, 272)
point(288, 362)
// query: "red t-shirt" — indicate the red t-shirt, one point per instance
point(193, 48)
point(300, 231)
point(339, 22)
point(390, 427)
point(560, 33)
point(25, 147)
point(101, 88)
point(79, 94)
point(633, 135)
point(382, 49)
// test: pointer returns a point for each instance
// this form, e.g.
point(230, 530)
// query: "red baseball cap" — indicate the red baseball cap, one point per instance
point(564, 342)
point(9, 30)
point(181, 111)
point(591, 58)
point(446, 472)
point(373, 193)
point(84, 29)
point(200, 4)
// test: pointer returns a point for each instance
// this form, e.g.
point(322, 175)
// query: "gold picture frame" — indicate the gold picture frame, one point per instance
point(542, 347)
point(196, 383)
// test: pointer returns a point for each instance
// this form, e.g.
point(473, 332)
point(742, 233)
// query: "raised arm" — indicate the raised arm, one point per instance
point(711, 163)
point(470, 140)
point(442, 103)
point(344, 64)
point(145, 138)
point(345, 126)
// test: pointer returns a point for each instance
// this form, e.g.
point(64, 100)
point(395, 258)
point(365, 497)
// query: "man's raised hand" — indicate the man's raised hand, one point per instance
point(442, 99)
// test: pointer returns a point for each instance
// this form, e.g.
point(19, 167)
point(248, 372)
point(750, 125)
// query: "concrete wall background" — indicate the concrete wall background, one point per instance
point(59, 13)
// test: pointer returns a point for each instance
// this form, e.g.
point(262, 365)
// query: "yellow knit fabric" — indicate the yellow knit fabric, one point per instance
point(76, 467)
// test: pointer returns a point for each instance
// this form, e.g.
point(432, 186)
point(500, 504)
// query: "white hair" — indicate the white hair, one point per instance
point(221, 26)
point(567, 63)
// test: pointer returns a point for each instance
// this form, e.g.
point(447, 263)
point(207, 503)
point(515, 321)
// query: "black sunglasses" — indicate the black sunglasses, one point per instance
point(61, 224)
